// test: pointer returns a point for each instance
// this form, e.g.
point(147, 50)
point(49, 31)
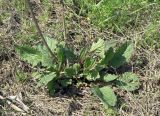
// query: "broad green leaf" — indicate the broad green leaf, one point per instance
point(76, 66)
point(106, 95)
point(36, 75)
point(110, 44)
point(89, 63)
point(128, 53)
point(98, 67)
point(52, 86)
point(108, 56)
point(52, 43)
point(122, 55)
point(70, 72)
point(30, 54)
point(47, 78)
point(128, 81)
point(66, 82)
point(109, 77)
point(98, 48)
point(92, 75)
point(26, 49)
point(46, 57)
point(70, 55)
point(53, 68)
point(83, 53)
point(98, 45)
point(60, 55)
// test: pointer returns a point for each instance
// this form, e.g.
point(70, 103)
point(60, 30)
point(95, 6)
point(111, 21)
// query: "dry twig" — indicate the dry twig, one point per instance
point(39, 30)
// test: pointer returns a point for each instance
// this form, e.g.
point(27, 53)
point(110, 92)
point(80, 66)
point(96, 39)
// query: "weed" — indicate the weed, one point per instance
point(86, 65)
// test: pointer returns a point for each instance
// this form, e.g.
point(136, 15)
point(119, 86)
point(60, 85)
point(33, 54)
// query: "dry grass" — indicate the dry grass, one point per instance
point(146, 102)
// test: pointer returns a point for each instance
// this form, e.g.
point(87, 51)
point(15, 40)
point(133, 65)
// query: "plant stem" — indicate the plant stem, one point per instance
point(39, 30)
point(64, 22)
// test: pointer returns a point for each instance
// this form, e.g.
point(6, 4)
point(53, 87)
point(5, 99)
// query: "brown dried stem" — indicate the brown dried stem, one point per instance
point(39, 30)
point(64, 21)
